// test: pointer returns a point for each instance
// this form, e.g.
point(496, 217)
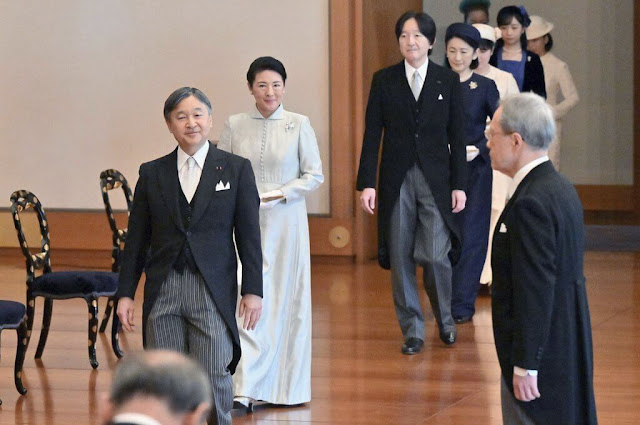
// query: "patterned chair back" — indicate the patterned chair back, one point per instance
point(112, 179)
point(22, 200)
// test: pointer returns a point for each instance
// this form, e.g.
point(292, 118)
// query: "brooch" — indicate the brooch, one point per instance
point(289, 126)
point(473, 85)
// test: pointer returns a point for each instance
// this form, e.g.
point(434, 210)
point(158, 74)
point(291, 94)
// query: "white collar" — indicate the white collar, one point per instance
point(199, 156)
point(409, 70)
point(135, 418)
point(277, 114)
point(522, 173)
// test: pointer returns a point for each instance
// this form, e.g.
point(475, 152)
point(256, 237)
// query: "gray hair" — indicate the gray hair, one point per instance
point(529, 115)
point(165, 375)
point(179, 95)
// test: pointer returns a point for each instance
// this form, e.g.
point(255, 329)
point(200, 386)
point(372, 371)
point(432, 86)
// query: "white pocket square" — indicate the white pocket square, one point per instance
point(221, 186)
point(503, 228)
point(440, 97)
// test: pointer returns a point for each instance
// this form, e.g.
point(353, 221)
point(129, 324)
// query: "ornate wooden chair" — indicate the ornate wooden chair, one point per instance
point(13, 316)
point(112, 179)
point(50, 285)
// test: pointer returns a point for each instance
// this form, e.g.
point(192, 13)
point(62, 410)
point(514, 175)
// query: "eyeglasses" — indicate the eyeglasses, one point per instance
point(488, 134)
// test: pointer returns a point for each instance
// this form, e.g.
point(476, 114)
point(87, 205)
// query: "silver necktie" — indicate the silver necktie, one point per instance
point(189, 181)
point(416, 85)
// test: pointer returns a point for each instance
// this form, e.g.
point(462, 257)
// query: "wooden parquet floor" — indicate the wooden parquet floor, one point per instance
point(359, 375)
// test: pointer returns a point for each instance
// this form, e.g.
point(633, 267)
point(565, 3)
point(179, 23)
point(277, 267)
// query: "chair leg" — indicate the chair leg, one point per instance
point(115, 328)
point(20, 354)
point(93, 330)
point(107, 313)
point(46, 322)
point(31, 311)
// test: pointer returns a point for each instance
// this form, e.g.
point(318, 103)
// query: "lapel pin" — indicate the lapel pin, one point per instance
point(440, 97)
point(218, 168)
point(473, 85)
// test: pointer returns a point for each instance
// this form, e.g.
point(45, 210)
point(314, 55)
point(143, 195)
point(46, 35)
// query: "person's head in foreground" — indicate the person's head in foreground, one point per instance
point(187, 112)
point(165, 386)
point(521, 131)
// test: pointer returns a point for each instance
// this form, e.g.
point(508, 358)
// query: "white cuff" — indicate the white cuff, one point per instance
point(524, 372)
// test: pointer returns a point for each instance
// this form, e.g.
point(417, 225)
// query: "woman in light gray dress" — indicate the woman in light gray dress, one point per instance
point(275, 366)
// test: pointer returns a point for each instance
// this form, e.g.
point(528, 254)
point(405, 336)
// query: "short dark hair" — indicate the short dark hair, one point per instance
point(549, 44)
point(506, 15)
point(471, 42)
point(485, 44)
point(468, 10)
point(179, 381)
point(426, 25)
point(179, 95)
point(265, 63)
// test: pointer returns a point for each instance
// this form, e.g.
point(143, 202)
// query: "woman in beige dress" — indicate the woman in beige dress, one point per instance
point(275, 366)
point(562, 94)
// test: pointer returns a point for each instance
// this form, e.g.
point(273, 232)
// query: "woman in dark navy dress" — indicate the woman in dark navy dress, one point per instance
point(511, 52)
point(480, 100)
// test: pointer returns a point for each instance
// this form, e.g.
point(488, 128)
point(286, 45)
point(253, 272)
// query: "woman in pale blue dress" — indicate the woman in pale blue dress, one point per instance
point(275, 366)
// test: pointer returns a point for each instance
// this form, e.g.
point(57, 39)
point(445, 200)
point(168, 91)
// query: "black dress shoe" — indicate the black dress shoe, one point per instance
point(412, 346)
point(448, 337)
point(462, 319)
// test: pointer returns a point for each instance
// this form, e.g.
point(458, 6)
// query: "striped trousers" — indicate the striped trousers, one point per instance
point(184, 318)
point(418, 235)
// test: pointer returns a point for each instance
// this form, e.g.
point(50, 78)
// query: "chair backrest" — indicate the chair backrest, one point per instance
point(112, 179)
point(22, 200)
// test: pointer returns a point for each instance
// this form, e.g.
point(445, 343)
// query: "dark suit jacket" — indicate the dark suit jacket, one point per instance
point(533, 73)
point(414, 132)
point(539, 301)
point(156, 232)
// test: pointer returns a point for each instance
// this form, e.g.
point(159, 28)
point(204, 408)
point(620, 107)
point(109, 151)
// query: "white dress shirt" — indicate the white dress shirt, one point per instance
point(522, 173)
point(409, 70)
point(199, 156)
point(517, 179)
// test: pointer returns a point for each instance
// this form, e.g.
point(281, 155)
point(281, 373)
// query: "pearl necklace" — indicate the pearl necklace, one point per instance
point(504, 49)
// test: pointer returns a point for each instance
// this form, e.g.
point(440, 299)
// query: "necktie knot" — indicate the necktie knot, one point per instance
point(191, 163)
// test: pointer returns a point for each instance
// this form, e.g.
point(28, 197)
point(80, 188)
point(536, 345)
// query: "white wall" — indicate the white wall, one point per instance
point(83, 82)
point(595, 38)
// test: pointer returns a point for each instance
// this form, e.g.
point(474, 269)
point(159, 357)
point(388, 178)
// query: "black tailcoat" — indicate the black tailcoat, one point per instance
point(157, 234)
point(539, 301)
point(428, 132)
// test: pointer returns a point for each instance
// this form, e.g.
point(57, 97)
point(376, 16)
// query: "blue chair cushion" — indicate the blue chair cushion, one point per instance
point(72, 284)
point(11, 314)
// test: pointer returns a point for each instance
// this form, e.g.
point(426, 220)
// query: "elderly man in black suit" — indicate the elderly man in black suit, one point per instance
point(541, 318)
point(418, 106)
point(157, 387)
point(187, 207)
